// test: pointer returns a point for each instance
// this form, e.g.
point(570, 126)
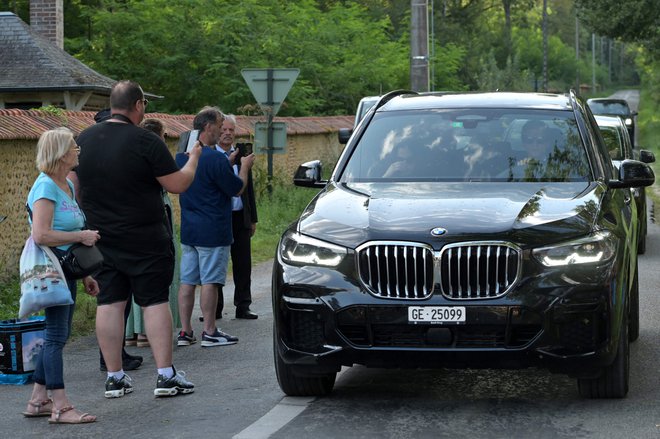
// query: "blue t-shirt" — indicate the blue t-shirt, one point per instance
point(67, 216)
point(206, 205)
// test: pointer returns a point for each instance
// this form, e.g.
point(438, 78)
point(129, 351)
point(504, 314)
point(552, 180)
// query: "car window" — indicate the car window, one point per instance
point(616, 108)
point(472, 145)
point(612, 142)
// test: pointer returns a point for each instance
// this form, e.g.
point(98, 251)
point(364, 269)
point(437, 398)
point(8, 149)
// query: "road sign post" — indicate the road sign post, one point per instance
point(270, 87)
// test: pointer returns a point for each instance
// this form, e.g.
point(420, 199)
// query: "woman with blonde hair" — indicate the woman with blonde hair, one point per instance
point(57, 222)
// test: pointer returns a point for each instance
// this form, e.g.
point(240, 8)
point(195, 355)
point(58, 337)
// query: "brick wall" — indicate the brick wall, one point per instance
point(47, 19)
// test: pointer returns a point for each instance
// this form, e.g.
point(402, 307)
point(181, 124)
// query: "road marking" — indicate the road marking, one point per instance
point(280, 415)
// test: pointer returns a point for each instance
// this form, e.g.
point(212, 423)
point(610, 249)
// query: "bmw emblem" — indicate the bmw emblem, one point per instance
point(438, 231)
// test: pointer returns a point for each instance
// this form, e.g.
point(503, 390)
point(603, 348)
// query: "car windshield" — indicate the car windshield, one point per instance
point(602, 107)
point(469, 145)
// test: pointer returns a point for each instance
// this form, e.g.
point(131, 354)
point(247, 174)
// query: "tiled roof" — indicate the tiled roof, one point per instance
point(29, 124)
point(29, 62)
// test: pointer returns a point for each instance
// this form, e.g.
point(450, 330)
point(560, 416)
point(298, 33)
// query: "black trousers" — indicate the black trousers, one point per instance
point(241, 263)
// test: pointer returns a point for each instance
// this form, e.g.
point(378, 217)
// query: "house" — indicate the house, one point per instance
point(36, 73)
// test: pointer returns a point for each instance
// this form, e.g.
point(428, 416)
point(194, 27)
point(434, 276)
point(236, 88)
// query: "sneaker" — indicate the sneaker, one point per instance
point(218, 338)
point(174, 385)
point(185, 340)
point(115, 388)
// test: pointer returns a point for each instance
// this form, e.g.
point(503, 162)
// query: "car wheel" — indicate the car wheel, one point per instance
point(613, 381)
point(633, 323)
point(294, 382)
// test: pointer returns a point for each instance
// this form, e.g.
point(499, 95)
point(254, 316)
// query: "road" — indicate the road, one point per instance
point(237, 394)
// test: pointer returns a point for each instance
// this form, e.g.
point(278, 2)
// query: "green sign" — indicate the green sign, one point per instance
point(261, 137)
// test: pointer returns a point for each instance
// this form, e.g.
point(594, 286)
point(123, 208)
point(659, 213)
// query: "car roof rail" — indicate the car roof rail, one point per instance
point(573, 98)
point(388, 96)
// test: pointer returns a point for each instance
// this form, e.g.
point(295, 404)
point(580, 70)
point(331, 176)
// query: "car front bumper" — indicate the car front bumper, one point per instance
point(325, 320)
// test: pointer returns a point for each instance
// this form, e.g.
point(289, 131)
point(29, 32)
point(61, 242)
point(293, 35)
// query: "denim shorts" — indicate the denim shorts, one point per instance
point(204, 265)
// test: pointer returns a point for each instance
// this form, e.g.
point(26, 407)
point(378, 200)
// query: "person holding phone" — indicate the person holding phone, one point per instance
point(243, 226)
point(206, 229)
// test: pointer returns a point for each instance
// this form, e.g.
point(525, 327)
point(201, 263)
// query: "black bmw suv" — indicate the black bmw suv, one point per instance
point(484, 230)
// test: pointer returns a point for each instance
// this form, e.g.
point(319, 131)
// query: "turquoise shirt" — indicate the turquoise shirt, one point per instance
point(67, 216)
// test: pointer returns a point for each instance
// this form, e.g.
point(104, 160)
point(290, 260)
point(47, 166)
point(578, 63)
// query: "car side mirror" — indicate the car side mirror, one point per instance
point(309, 175)
point(633, 173)
point(646, 156)
point(344, 134)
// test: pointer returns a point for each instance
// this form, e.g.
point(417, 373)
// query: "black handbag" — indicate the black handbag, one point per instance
point(81, 260)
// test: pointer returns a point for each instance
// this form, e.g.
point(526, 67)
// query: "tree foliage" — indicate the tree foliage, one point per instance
point(631, 21)
point(192, 52)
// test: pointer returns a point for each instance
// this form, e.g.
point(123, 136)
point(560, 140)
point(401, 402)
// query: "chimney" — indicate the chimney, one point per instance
point(47, 19)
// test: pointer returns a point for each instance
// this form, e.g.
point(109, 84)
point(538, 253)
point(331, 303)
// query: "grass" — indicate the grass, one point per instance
point(276, 211)
point(648, 123)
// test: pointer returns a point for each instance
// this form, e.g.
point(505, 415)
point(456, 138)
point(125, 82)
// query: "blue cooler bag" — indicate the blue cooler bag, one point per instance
point(20, 342)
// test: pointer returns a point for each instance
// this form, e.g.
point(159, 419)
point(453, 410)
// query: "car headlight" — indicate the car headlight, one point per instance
point(595, 248)
point(303, 250)
point(628, 121)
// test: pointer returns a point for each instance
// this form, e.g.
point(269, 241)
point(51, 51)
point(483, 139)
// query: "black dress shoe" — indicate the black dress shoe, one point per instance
point(128, 362)
point(246, 314)
point(125, 356)
point(217, 317)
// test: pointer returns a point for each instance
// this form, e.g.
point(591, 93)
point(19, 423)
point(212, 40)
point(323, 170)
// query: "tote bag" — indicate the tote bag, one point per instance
point(42, 280)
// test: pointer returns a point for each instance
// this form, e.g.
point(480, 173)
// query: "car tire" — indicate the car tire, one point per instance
point(293, 383)
point(614, 379)
point(633, 322)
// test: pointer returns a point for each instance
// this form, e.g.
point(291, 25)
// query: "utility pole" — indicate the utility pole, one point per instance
point(593, 63)
point(545, 45)
point(419, 45)
point(577, 54)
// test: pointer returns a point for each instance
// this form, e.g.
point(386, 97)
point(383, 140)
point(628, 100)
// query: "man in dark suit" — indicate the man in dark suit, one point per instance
point(244, 224)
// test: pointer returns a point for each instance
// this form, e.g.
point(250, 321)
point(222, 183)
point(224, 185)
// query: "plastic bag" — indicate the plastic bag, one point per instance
point(42, 280)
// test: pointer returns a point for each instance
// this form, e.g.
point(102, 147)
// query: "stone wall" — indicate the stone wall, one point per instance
point(18, 171)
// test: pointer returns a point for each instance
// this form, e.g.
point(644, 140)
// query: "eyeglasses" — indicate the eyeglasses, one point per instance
point(145, 102)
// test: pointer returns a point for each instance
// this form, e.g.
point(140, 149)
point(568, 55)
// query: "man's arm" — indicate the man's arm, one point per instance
point(179, 181)
point(244, 172)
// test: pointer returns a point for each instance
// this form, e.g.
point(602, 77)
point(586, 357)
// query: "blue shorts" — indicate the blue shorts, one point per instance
point(204, 265)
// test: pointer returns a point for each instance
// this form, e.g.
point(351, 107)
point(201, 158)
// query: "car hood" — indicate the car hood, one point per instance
point(350, 214)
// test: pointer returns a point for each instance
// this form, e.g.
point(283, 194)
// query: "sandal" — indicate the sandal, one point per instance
point(130, 341)
point(142, 341)
point(39, 409)
point(84, 418)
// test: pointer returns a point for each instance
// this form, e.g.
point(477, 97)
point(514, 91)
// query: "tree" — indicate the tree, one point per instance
point(633, 21)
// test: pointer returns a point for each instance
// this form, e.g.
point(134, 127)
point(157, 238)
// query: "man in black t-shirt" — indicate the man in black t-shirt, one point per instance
point(121, 174)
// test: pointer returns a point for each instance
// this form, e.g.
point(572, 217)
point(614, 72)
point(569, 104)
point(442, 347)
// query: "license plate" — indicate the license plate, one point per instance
point(436, 314)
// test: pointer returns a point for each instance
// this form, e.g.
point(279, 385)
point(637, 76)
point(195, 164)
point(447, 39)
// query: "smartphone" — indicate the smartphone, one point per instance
point(194, 136)
point(246, 148)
